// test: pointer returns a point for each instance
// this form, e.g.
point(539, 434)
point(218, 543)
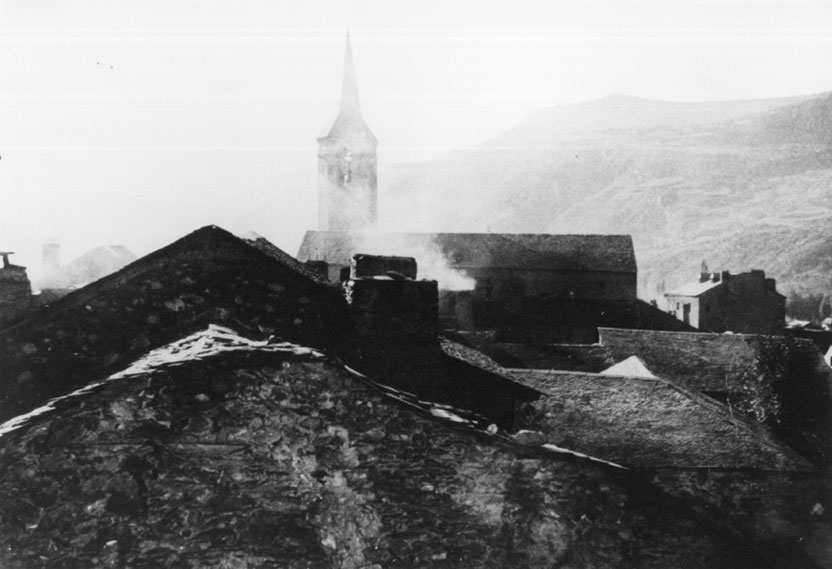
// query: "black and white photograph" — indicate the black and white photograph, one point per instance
point(461, 284)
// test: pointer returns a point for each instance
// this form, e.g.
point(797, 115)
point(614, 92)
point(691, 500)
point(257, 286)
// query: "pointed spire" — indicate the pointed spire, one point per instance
point(349, 91)
point(349, 120)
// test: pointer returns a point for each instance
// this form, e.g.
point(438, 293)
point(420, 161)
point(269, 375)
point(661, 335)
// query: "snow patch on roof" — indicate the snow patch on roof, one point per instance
point(212, 341)
point(693, 289)
point(561, 450)
point(209, 342)
point(247, 235)
point(631, 367)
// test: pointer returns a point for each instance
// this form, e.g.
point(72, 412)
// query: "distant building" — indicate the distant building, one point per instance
point(15, 290)
point(555, 288)
point(746, 303)
point(89, 267)
point(347, 165)
point(560, 286)
point(51, 251)
point(496, 266)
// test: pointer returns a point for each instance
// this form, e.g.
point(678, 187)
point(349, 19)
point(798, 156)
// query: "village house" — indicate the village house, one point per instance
point(224, 401)
point(721, 302)
point(219, 403)
point(221, 451)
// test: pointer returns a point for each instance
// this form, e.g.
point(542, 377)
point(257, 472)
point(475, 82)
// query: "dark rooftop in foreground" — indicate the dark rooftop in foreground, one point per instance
point(208, 277)
point(218, 451)
point(218, 402)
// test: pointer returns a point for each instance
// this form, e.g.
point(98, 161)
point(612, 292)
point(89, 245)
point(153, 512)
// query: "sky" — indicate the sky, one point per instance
point(136, 122)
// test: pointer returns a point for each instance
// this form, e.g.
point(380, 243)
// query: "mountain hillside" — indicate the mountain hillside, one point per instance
point(740, 185)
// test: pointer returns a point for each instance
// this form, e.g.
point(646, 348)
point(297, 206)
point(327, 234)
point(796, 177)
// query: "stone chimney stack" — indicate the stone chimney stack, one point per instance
point(386, 302)
point(15, 290)
point(51, 258)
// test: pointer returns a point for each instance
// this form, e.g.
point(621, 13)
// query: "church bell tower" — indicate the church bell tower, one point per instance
point(347, 166)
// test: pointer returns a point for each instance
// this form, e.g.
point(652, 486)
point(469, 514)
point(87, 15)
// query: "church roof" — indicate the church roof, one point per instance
point(602, 253)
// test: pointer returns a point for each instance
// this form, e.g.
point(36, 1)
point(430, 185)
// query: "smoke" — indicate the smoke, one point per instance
point(431, 262)
point(433, 265)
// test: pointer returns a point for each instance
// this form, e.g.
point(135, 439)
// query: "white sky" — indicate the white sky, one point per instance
point(139, 121)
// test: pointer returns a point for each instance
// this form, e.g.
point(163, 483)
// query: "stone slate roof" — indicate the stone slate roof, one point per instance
point(781, 382)
point(649, 423)
point(636, 421)
point(604, 253)
point(706, 362)
point(702, 361)
point(218, 451)
point(473, 357)
point(208, 277)
point(267, 247)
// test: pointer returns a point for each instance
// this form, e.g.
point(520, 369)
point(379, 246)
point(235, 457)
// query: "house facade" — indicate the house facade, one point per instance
point(746, 303)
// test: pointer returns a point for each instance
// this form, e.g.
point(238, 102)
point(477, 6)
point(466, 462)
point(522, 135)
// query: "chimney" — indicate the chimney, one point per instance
point(369, 266)
point(51, 255)
point(15, 290)
point(387, 303)
point(319, 267)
